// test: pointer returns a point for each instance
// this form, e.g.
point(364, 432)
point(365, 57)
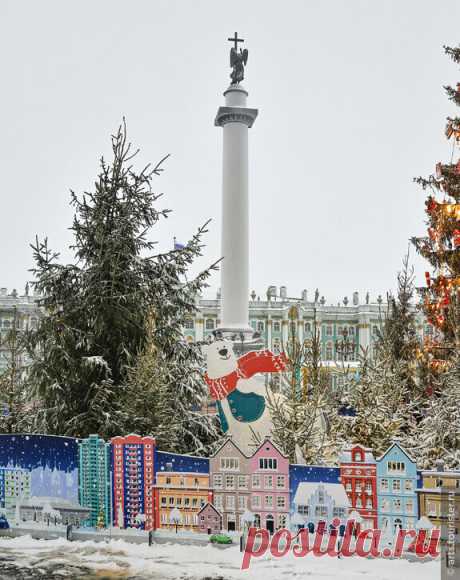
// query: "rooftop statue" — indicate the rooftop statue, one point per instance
point(238, 60)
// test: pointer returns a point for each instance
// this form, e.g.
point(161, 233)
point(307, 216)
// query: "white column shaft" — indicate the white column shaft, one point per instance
point(235, 227)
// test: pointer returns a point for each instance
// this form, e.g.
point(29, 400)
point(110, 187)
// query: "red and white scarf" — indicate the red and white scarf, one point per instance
point(254, 362)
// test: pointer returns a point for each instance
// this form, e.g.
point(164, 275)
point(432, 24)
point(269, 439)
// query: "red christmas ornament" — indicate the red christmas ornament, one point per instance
point(428, 279)
point(456, 234)
point(431, 205)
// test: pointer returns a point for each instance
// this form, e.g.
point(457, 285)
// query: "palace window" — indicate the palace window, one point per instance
point(307, 327)
point(397, 485)
point(189, 324)
point(260, 326)
point(302, 509)
point(269, 481)
point(230, 501)
point(281, 501)
point(268, 501)
point(242, 502)
point(255, 502)
point(210, 324)
point(328, 330)
point(329, 351)
point(276, 327)
point(256, 481)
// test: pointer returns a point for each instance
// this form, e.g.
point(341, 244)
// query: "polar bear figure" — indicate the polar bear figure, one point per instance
point(239, 389)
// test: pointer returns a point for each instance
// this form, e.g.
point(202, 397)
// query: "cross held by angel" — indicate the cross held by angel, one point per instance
point(238, 60)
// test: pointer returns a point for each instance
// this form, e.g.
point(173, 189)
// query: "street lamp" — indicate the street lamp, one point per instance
point(345, 346)
point(246, 520)
point(175, 517)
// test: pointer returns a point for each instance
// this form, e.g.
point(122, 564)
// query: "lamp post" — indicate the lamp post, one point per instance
point(246, 520)
point(345, 347)
point(175, 517)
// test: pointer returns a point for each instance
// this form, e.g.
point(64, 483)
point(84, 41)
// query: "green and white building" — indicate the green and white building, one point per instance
point(94, 487)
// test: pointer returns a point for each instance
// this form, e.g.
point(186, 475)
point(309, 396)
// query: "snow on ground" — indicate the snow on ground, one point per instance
point(119, 559)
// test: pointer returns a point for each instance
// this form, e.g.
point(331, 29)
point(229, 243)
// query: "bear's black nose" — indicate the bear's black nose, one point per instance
point(223, 352)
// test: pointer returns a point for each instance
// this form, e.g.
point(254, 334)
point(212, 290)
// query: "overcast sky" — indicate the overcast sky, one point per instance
point(350, 102)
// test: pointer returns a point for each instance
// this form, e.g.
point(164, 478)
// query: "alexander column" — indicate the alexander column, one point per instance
point(235, 118)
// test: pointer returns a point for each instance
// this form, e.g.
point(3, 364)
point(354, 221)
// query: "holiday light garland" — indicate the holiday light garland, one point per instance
point(441, 247)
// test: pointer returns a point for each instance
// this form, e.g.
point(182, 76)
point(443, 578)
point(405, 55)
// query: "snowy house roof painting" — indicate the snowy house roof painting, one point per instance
point(229, 441)
point(207, 506)
point(400, 447)
point(346, 455)
point(268, 441)
point(306, 490)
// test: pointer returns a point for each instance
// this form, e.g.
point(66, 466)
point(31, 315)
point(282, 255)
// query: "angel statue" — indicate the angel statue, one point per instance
point(238, 61)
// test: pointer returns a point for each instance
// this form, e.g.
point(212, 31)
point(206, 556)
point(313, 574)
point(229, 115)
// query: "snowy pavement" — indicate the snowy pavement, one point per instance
point(53, 559)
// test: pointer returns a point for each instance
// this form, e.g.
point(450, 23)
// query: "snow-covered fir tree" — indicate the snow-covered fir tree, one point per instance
point(166, 391)
point(304, 417)
point(386, 394)
point(438, 434)
point(96, 308)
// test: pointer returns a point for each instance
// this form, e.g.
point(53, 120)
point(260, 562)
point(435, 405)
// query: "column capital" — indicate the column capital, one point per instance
point(235, 115)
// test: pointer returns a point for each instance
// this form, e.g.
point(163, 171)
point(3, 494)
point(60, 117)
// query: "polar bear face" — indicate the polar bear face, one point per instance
point(221, 359)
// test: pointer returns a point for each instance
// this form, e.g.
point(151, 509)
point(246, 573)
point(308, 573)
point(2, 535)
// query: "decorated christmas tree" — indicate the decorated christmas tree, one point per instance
point(441, 247)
